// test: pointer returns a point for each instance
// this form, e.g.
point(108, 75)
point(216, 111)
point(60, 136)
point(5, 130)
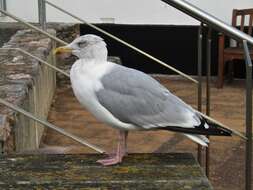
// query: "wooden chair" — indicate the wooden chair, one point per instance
point(234, 52)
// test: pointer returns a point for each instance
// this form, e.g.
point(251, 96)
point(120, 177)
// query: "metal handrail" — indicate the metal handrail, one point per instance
point(38, 59)
point(199, 96)
point(42, 15)
point(208, 91)
point(248, 166)
point(51, 126)
point(209, 19)
point(124, 43)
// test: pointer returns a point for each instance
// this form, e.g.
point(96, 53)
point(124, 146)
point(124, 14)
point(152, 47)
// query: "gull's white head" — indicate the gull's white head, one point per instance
point(86, 47)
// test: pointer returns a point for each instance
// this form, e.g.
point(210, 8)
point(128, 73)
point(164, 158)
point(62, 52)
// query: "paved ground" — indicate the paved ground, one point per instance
point(227, 106)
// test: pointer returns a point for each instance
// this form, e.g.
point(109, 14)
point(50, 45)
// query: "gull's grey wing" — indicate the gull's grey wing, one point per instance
point(136, 98)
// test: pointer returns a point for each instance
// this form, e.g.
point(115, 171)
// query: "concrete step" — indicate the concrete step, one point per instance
point(174, 171)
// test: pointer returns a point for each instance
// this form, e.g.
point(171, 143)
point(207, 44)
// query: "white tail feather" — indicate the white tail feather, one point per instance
point(200, 139)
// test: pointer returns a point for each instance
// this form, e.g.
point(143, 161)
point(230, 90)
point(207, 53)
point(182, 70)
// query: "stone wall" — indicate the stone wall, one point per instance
point(7, 30)
point(27, 83)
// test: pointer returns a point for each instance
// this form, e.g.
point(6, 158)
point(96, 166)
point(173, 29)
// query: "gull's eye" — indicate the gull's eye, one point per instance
point(81, 44)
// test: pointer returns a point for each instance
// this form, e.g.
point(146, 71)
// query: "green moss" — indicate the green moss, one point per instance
point(138, 171)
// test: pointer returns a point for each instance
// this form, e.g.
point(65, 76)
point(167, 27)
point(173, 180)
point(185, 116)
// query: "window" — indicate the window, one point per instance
point(2, 6)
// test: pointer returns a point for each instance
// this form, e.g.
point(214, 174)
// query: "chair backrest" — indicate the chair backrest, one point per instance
point(244, 15)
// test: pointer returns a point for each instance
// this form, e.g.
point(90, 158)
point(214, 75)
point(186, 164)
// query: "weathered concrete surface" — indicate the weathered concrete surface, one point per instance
point(138, 171)
point(26, 83)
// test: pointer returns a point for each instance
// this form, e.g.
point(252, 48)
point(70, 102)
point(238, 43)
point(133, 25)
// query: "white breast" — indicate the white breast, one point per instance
point(85, 80)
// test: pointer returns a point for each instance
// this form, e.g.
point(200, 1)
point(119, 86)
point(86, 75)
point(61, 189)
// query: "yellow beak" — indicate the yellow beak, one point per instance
point(62, 49)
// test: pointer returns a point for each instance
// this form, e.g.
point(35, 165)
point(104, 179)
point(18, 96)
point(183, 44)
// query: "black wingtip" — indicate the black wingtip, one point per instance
point(213, 129)
point(205, 128)
point(217, 130)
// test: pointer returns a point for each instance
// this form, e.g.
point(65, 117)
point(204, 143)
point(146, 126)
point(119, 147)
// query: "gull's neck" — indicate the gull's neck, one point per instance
point(94, 59)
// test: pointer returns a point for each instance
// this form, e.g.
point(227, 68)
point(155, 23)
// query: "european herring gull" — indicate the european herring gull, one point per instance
point(127, 99)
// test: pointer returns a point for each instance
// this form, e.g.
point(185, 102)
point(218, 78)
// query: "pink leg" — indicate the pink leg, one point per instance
point(120, 153)
point(111, 155)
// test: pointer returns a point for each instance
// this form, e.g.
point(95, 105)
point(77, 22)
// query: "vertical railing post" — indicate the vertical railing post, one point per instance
point(3, 2)
point(248, 160)
point(42, 14)
point(200, 38)
point(2, 6)
point(208, 77)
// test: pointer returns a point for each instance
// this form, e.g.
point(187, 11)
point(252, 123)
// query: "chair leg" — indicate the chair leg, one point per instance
point(220, 71)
